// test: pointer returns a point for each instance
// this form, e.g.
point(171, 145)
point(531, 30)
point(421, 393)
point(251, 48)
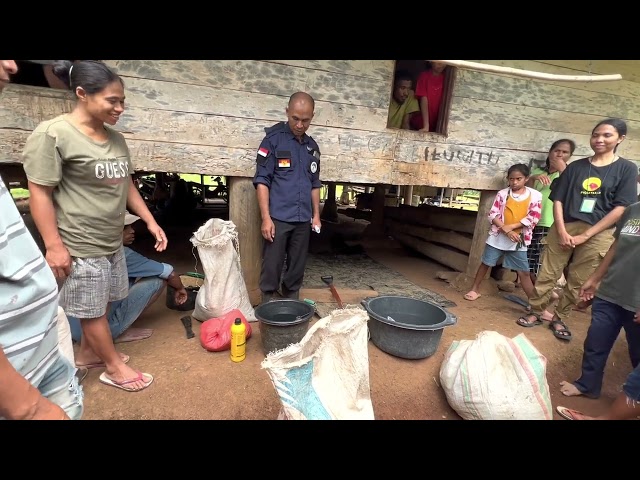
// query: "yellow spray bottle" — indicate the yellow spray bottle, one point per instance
point(238, 341)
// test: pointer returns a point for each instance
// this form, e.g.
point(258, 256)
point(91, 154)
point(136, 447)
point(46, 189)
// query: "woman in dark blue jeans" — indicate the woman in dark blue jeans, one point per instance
point(615, 290)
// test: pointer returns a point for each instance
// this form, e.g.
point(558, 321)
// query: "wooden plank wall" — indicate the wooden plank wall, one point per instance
point(209, 117)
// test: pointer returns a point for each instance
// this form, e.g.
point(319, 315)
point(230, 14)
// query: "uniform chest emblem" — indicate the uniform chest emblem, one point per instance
point(284, 163)
point(314, 167)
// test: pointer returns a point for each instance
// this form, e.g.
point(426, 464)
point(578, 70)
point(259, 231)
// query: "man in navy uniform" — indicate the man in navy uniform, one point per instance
point(287, 182)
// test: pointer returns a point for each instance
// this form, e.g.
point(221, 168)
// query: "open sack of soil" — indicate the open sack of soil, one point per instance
point(223, 289)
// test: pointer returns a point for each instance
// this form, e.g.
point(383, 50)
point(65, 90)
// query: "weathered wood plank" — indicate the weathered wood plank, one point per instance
point(629, 69)
point(262, 77)
point(518, 91)
point(490, 113)
point(515, 138)
point(463, 171)
point(25, 107)
point(450, 258)
point(22, 111)
point(450, 238)
point(215, 160)
point(365, 68)
point(218, 160)
point(182, 98)
point(429, 216)
point(624, 87)
point(209, 100)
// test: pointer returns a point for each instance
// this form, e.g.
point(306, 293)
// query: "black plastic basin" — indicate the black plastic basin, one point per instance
point(405, 327)
point(282, 322)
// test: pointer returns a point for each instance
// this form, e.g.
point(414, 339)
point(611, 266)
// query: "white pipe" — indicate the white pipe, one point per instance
point(483, 67)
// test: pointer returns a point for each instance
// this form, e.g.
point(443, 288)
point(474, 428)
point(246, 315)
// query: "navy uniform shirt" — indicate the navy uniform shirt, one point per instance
point(290, 169)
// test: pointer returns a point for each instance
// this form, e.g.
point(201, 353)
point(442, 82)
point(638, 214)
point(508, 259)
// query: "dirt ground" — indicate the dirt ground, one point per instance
point(191, 383)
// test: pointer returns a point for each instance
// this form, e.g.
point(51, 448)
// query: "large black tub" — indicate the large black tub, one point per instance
point(282, 322)
point(405, 327)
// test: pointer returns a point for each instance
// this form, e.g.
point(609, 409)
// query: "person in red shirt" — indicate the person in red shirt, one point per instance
point(429, 89)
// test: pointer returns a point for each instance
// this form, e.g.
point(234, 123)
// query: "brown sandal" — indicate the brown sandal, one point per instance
point(561, 333)
point(523, 321)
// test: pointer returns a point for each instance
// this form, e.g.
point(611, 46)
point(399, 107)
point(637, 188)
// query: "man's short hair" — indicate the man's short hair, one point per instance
point(402, 75)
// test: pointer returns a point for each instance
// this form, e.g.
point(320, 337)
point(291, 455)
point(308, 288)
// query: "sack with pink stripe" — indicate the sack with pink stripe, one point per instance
point(496, 378)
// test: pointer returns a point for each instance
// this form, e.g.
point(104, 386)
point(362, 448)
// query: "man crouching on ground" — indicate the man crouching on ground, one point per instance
point(147, 281)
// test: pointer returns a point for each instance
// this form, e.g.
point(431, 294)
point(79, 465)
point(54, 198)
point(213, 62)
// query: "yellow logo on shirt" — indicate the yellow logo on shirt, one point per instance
point(592, 184)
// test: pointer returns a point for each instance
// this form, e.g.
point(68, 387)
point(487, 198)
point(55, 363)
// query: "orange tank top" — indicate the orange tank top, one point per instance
point(515, 210)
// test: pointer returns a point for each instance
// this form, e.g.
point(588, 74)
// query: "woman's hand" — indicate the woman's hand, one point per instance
point(514, 237)
point(578, 240)
point(543, 179)
point(59, 260)
point(159, 235)
point(566, 240)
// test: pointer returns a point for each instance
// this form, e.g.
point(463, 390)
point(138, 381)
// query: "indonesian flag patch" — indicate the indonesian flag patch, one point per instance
point(263, 152)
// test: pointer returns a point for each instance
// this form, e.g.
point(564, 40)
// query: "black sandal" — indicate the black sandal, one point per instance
point(561, 333)
point(522, 321)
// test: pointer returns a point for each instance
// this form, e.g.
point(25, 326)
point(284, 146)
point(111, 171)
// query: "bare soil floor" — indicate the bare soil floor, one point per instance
point(191, 383)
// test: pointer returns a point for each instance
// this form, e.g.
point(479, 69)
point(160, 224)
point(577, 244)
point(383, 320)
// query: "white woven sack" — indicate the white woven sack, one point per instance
point(223, 289)
point(325, 376)
point(496, 378)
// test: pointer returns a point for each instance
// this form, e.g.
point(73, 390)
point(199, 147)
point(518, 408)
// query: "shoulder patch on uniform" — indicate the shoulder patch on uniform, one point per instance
point(263, 152)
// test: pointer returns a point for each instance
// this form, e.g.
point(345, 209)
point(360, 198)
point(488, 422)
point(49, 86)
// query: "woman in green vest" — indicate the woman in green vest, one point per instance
point(541, 179)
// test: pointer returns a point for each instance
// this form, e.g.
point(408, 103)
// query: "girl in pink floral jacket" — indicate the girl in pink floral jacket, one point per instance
point(515, 212)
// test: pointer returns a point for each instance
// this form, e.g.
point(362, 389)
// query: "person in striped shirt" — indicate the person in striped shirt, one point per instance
point(36, 381)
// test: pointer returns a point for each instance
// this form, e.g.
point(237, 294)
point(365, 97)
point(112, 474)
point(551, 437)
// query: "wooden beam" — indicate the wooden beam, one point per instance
point(430, 216)
point(444, 237)
point(450, 258)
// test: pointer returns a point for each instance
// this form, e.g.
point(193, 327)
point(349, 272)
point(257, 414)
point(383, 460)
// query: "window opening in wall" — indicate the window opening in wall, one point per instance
point(37, 73)
point(421, 96)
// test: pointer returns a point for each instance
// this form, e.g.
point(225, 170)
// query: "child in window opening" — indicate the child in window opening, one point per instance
point(429, 89)
point(403, 102)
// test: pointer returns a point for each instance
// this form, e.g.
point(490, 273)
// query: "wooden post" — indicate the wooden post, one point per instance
point(376, 227)
point(407, 194)
point(245, 214)
point(481, 231)
point(330, 207)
